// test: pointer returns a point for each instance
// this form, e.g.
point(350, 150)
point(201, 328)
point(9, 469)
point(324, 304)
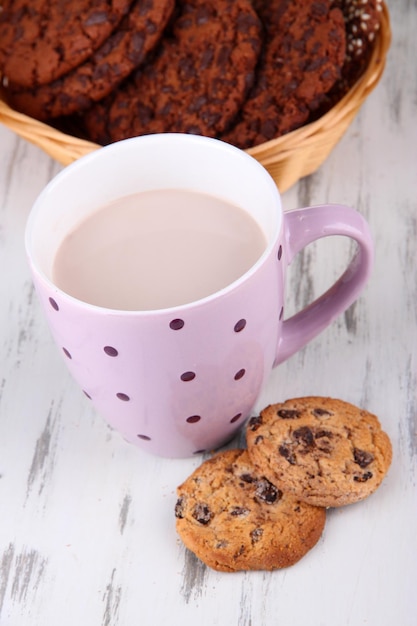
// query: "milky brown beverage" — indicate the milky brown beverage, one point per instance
point(157, 249)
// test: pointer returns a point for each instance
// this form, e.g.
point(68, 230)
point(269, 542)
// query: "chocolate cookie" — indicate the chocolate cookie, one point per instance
point(42, 40)
point(362, 23)
point(302, 58)
point(234, 519)
point(125, 49)
point(323, 451)
point(197, 80)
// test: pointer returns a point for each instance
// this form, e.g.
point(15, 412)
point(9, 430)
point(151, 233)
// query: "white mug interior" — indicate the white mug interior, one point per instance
point(162, 161)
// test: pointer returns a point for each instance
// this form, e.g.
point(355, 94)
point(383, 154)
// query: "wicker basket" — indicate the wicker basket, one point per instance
point(287, 158)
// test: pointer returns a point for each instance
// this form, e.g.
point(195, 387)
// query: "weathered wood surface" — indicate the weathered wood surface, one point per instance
point(87, 532)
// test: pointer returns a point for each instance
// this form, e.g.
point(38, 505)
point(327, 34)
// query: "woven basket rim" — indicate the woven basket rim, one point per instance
point(66, 148)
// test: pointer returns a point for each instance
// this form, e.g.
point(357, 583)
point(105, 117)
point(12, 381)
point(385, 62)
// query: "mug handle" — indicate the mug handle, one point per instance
point(301, 227)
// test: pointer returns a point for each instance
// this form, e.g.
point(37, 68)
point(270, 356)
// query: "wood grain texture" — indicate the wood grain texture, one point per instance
point(87, 533)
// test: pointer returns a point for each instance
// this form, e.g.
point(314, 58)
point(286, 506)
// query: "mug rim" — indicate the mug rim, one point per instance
point(120, 146)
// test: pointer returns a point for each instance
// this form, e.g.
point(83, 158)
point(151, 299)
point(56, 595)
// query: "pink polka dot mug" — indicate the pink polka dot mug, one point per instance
point(181, 380)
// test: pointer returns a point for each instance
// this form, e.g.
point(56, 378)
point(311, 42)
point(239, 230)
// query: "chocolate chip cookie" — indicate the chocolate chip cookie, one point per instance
point(302, 58)
point(42, 40)
point(195, 83)
point(233, 518)
point(323, 451)
point(122, 52)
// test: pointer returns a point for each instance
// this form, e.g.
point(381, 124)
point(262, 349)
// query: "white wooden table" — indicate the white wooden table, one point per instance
point(87, 531)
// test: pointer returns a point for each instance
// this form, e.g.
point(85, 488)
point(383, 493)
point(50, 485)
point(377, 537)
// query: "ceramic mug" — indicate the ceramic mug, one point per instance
point(182, 380)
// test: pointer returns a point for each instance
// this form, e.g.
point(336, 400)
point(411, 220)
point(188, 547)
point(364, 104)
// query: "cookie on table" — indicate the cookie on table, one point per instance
point(122, 52)
point(234, 519)
point(42, 40)
point(323, 451)
point(302, 58)
point(195, 83)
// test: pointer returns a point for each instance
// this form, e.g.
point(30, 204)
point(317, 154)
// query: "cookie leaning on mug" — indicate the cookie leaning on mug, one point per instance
point(321, 450)
point(234, 519)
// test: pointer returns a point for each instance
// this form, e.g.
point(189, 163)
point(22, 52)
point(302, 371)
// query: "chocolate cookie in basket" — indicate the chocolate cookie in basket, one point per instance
point(362, 24)
point(196, 82)
point(42, 40)
point(304, 50)
point(294, 145)
point(122, 52)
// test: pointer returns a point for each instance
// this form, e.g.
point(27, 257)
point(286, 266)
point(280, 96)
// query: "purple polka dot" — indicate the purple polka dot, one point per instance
point(187, 376)
point(110, 351)
point(193, 419)
point(87, 394)
point(240, 374)
point(53, 304)
point(235, 418)
point(240, 325)
point(144, 437)
point(279, 253)
point(176, 324)
point(123, 396)
point(281, 313)
point(68, 354)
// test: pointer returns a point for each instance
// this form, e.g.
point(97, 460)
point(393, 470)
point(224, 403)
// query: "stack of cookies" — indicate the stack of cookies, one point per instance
point(264, 507)
point(245, 71)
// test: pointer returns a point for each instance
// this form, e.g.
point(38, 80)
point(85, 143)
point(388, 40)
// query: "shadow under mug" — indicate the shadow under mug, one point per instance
point(131, 364)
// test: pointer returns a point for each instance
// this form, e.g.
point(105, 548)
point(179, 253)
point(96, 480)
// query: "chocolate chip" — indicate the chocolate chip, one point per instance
point(202, 513)
point(323, 433)
point(267, 492)
point(287, 454)
point(324, 445)
point(179, 508)
point(239, 511)
point(362, 457)
point(305, 437)
point(258, 439)
point(247, 478)
point(318, 412)
point(255, 422)
point(362, 478)
point(288, 414)
point(239, 552)
point(256, 535)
